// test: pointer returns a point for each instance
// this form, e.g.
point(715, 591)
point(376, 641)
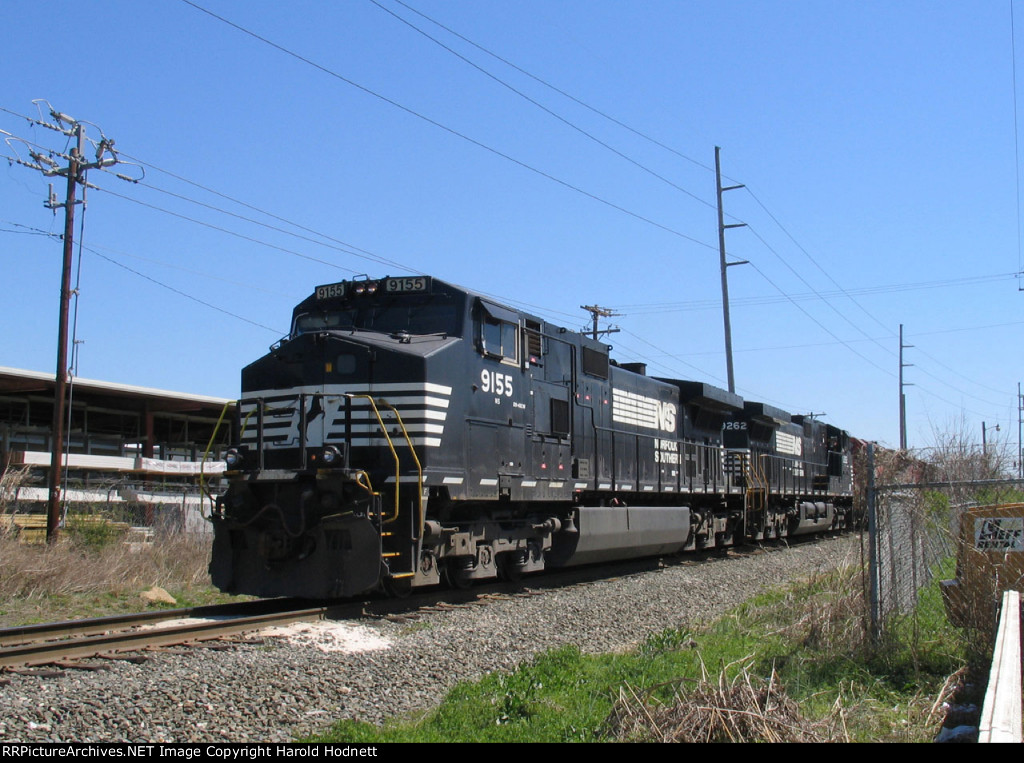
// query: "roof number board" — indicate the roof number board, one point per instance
point(403, 285)
point(330, 291)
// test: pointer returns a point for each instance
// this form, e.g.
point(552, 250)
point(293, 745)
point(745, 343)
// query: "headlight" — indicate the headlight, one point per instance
point(233, 459)
point(332, 456)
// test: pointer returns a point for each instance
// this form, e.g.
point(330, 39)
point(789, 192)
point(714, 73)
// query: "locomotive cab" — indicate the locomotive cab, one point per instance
point(337, 424)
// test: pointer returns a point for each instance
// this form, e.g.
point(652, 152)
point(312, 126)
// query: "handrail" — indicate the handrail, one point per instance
point(394, 454)
point(756, 482)
point(391, 447)
point(202, 477)
point(419, 467)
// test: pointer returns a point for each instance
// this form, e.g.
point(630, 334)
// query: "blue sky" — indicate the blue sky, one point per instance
point(876, 141)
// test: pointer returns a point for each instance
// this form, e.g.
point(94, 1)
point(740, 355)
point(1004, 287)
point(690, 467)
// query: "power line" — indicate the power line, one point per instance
point(848, 294)
point(763, 241)
point(347, 247)
point(953, 387)
point(201, 274)
point(646, 308)
point(544, 108)
point(703, 374)
point(824, 298)
point(818, 323)
point(449, 130)
point(275, 228)
point(970, 328)
point(217, 209)
point(179, 292)
point(806, 283)
point(784, 296)
point(94, 250)
point(673, 356)
point(605, 145)
point(813, 260)
point(561, 92)
point(369, 257)
point(388, 100)
point(229, 232)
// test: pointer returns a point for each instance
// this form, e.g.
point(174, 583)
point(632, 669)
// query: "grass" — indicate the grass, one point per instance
point(795, 664)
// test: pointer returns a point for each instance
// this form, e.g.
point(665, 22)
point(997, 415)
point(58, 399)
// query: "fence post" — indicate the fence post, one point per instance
point(872, 542)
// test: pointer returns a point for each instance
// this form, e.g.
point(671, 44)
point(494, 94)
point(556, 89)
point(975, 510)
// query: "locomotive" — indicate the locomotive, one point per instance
point(409, 432)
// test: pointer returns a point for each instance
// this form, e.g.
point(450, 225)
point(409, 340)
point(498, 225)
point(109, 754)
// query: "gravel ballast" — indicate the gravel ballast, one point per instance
point(283, 688)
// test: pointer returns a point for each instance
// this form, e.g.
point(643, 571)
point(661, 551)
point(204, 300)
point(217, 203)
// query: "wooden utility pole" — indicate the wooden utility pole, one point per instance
point(75, 174)
point(725, 265)
point(44, 162)
point(53, 505)
point(600, 312)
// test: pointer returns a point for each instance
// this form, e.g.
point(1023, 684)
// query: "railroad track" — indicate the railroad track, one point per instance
point(49, 643)
point(65, 642)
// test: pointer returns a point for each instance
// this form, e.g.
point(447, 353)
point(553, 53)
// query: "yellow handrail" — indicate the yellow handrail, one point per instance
point(419, 467)
point(394, 454)
point(209, 446)
point(757, 482)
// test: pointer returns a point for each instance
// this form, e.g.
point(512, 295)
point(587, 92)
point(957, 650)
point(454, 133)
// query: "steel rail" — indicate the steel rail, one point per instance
point(68, 628)
point(36, 653)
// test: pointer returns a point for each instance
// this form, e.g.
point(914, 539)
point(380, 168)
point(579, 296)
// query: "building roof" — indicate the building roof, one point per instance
point(20, 381)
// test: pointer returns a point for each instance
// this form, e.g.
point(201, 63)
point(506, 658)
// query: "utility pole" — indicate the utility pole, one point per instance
point(903, 397)
point(44, 162)
point(725, 265)
point(73, 171)
point(1020, 428)
point(75, 174)
point(600, 312)
point(984, 440)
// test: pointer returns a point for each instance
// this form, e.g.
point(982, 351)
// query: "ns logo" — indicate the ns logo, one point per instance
point(667, 416)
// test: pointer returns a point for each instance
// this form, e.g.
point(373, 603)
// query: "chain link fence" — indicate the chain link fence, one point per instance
point(914, 512)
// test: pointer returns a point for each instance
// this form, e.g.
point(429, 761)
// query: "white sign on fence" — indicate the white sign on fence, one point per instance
point(999, 533)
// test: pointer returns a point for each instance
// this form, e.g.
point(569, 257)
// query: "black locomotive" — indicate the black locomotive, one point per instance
point(408, 431)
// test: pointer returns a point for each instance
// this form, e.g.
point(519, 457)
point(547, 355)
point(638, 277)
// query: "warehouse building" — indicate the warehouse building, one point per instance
point(152, 454)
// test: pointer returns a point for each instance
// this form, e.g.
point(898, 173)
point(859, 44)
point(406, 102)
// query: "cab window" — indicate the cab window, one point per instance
point(499, 332)
point(500, 339)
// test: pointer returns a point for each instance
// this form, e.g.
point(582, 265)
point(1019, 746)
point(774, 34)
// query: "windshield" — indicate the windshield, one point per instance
point(416, 317)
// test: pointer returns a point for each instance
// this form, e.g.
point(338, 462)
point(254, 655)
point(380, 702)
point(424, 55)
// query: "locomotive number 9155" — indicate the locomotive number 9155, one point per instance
point(409, 432)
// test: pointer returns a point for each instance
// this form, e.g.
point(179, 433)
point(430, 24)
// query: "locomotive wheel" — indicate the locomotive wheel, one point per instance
point(508, 568)
point(453, 574)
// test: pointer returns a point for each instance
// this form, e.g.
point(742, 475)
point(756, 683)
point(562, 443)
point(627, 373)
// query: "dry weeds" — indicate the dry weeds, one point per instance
point(835, 619)
point(741, 709)
point(31, 571)
point(98, 563)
